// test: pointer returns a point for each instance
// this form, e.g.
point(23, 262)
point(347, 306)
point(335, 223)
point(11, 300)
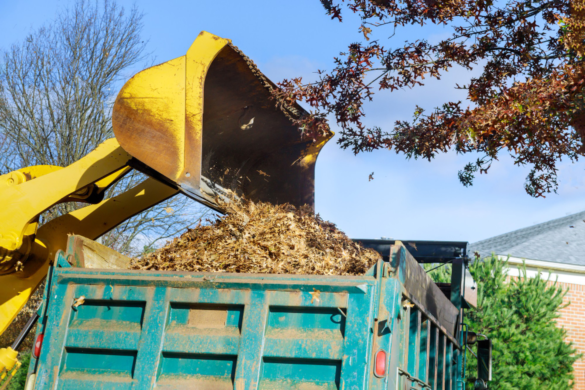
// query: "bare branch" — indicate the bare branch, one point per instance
point(56, 93)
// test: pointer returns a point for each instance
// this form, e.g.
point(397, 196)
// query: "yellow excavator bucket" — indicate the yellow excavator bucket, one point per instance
point(207, 123)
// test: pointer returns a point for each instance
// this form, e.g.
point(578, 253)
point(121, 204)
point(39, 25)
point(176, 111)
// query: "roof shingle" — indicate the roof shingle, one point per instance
point(560, 240)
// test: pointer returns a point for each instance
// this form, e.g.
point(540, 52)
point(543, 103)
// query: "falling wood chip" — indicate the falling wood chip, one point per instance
point(315, 294)
point(79, 301)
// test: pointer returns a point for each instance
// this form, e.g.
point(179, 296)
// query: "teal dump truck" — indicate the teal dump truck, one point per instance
point(392, 328)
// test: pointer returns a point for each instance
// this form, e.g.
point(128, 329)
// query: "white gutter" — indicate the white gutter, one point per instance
point(565, 273)
point(549, 265)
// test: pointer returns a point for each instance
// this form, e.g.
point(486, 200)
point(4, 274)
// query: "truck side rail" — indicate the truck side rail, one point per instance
point(427, 327)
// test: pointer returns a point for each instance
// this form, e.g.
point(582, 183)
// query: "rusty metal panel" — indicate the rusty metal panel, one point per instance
point(422, 289)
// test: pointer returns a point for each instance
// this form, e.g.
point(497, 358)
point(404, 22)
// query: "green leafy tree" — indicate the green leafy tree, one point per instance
point(519, 315)
point(440, 273)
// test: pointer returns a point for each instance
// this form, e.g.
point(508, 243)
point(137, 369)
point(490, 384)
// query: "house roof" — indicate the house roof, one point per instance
point(560, 240)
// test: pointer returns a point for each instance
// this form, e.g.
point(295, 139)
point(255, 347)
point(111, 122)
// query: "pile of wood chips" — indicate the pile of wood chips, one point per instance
point(262, 238)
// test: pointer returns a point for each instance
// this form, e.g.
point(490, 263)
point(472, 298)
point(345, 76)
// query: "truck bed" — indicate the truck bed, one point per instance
point(171, 330)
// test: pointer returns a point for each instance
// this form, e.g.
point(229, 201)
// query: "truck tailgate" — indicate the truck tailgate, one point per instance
point(139, 330)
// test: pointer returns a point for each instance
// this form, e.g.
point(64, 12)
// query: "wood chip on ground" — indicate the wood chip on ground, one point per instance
point(262, 238)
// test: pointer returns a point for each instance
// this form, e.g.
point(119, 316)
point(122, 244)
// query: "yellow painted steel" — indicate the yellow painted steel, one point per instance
point(151, 110)
point(158, 114)
point(24, 174)
point(8, 364)
point(152, 115)
point(29, 173)
point(30, 192)
point(18, 223)
point(93, 221)
point(198, 60)
point(108, 181)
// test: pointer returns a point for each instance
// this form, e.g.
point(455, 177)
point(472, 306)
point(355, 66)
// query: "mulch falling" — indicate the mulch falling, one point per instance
point(262, 238)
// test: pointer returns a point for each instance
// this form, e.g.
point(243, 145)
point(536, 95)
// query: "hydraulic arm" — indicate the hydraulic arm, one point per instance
point(28, 251)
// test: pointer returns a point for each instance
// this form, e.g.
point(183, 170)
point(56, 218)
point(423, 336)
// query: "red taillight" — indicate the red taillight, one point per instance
point(38, 345)
point(380, 363)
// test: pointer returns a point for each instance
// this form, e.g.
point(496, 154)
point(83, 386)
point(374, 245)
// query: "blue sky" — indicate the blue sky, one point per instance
point(408, 199)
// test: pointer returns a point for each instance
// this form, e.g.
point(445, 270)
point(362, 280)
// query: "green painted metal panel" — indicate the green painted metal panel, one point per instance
point(149, 348)
point(403, 330)
point(304, 348)
point(457, 381)
point(357, 354)
point(201, 343)
point(449, 367)
point(433, 357)
point(423, 359)
point(122, 339)
point(281, 317)
point(61, 299)
point(413, 342)
point(441, 362)
point(252, 341)
point(108, 362)
point(104, 310)
point(387, 306)
point(96, 382)
point(182, 314)
point(297, 372)
point(195, 365)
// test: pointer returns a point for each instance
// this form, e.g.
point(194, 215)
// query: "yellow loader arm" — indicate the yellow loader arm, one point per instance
point(24, 268)
point(37, 188)
point(200, 124)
